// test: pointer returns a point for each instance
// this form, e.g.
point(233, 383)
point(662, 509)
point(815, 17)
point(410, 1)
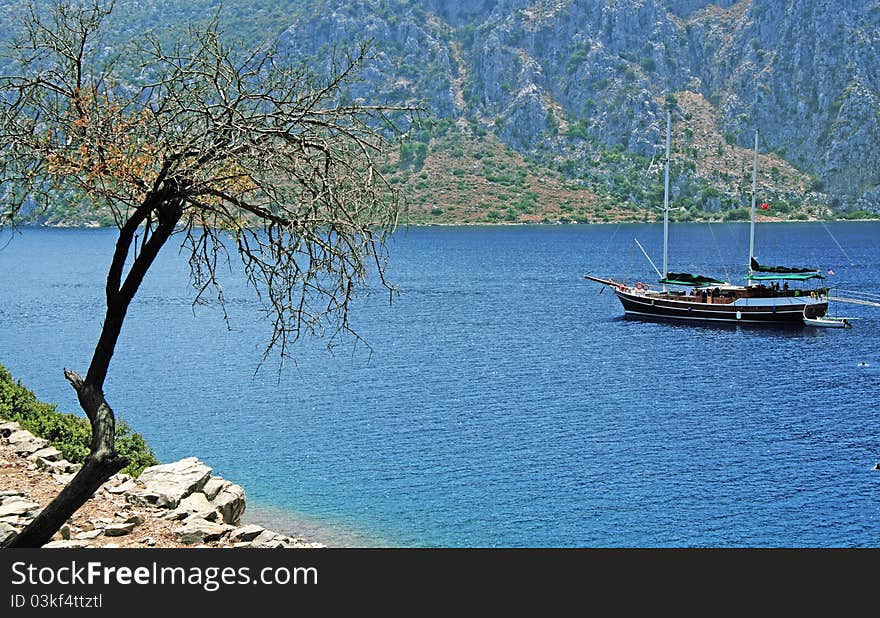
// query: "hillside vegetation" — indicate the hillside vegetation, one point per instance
point(67, 432)
point(554, 111)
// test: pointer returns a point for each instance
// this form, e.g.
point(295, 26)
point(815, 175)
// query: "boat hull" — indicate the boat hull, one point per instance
point(828, 322)
point(783, 310)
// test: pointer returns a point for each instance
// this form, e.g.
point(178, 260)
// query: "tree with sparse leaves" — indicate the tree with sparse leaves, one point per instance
point(230, 153)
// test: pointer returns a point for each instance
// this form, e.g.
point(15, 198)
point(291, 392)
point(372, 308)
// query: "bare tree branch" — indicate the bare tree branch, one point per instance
point(237, 152)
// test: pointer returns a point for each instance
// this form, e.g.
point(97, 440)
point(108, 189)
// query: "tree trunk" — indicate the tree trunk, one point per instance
point(94, 473)
point(103, 461)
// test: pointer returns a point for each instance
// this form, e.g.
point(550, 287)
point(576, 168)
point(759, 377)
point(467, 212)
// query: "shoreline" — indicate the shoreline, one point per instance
point(24, 478)
point(501, 224)
point(625, 222)
point(316, 529)
point(172, 505)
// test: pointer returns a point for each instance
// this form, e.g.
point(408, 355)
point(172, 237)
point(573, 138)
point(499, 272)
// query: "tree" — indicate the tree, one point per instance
point(232, 153)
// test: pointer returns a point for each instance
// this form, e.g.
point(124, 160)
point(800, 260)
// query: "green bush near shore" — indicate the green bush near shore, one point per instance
point(69, 433)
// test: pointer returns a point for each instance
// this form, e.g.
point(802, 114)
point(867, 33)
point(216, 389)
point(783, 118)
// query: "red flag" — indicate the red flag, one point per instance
point(764, 205)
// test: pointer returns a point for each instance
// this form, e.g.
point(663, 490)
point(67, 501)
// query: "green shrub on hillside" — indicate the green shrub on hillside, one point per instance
point(575, 60)
point(69, 433)
point(856, 214)
point(737, 214)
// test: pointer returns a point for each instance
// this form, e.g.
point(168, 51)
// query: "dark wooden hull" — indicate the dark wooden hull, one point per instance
point(763, 311)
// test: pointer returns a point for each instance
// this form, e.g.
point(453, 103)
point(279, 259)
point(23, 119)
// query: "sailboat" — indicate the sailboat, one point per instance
point(767, 298)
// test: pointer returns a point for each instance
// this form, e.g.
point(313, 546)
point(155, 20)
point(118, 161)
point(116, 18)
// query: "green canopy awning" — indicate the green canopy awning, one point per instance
point(787, 276)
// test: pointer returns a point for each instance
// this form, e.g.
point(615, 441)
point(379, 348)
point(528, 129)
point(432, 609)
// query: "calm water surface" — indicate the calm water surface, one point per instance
point(504, 402)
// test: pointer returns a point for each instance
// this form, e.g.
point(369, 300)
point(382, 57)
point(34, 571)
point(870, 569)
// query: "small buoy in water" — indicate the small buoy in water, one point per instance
point(863, 364)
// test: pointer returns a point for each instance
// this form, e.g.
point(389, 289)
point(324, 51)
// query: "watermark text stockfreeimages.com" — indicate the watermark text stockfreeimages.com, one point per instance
point(209, 578)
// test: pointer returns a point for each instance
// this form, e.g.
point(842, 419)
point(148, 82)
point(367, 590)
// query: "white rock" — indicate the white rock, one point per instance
point(195, 531)
point(276, 544)
point(231, 504)
point(88, 535)
point(176, 515)
point(65, 545)
point(246, 533)
point(119, 529)
point(6, 532)
point(18, 435)
point(18, 507)
point(63, 479)
point(49, 453)
point(214, 486)
point(196, 502)
point(122, 488)
point(194, 505)
point(61, 466)
point(21, 435)
point(166, 485)
point(24, 443)
point(264, 539)
point(8, 427)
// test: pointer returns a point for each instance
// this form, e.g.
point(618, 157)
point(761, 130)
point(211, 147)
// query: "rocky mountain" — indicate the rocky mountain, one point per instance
point(571, 95)
point(568, 78)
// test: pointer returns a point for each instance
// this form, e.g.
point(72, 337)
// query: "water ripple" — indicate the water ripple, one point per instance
point(504, 401)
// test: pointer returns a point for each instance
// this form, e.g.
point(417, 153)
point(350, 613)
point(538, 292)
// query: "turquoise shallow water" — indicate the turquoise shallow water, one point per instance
point(503, 401)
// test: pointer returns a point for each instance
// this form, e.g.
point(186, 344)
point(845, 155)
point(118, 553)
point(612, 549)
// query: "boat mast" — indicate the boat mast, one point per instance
point(754, 197)
point(666, 203)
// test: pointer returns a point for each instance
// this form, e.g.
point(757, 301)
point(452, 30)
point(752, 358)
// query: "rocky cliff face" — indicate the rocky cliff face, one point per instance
point(568, 78)
point(803, 72)
point(566, 82)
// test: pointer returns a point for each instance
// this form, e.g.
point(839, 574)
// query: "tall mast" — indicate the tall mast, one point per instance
point(666, 203)
point(754, 198)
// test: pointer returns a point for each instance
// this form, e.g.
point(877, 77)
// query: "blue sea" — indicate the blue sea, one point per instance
point(501, 400)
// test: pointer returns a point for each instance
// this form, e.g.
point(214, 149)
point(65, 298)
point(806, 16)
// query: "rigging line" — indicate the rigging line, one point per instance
point(862, 295)
point(739, 245)
point(629, 265)
point(607, 247)
point(718, 250)
point(657, 270)
point(851, 263)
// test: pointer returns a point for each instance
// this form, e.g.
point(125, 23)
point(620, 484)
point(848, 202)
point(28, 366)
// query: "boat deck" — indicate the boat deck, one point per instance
point(729, 295)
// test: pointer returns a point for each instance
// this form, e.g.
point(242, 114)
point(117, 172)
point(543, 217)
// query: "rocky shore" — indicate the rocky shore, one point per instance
point(179, 504)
